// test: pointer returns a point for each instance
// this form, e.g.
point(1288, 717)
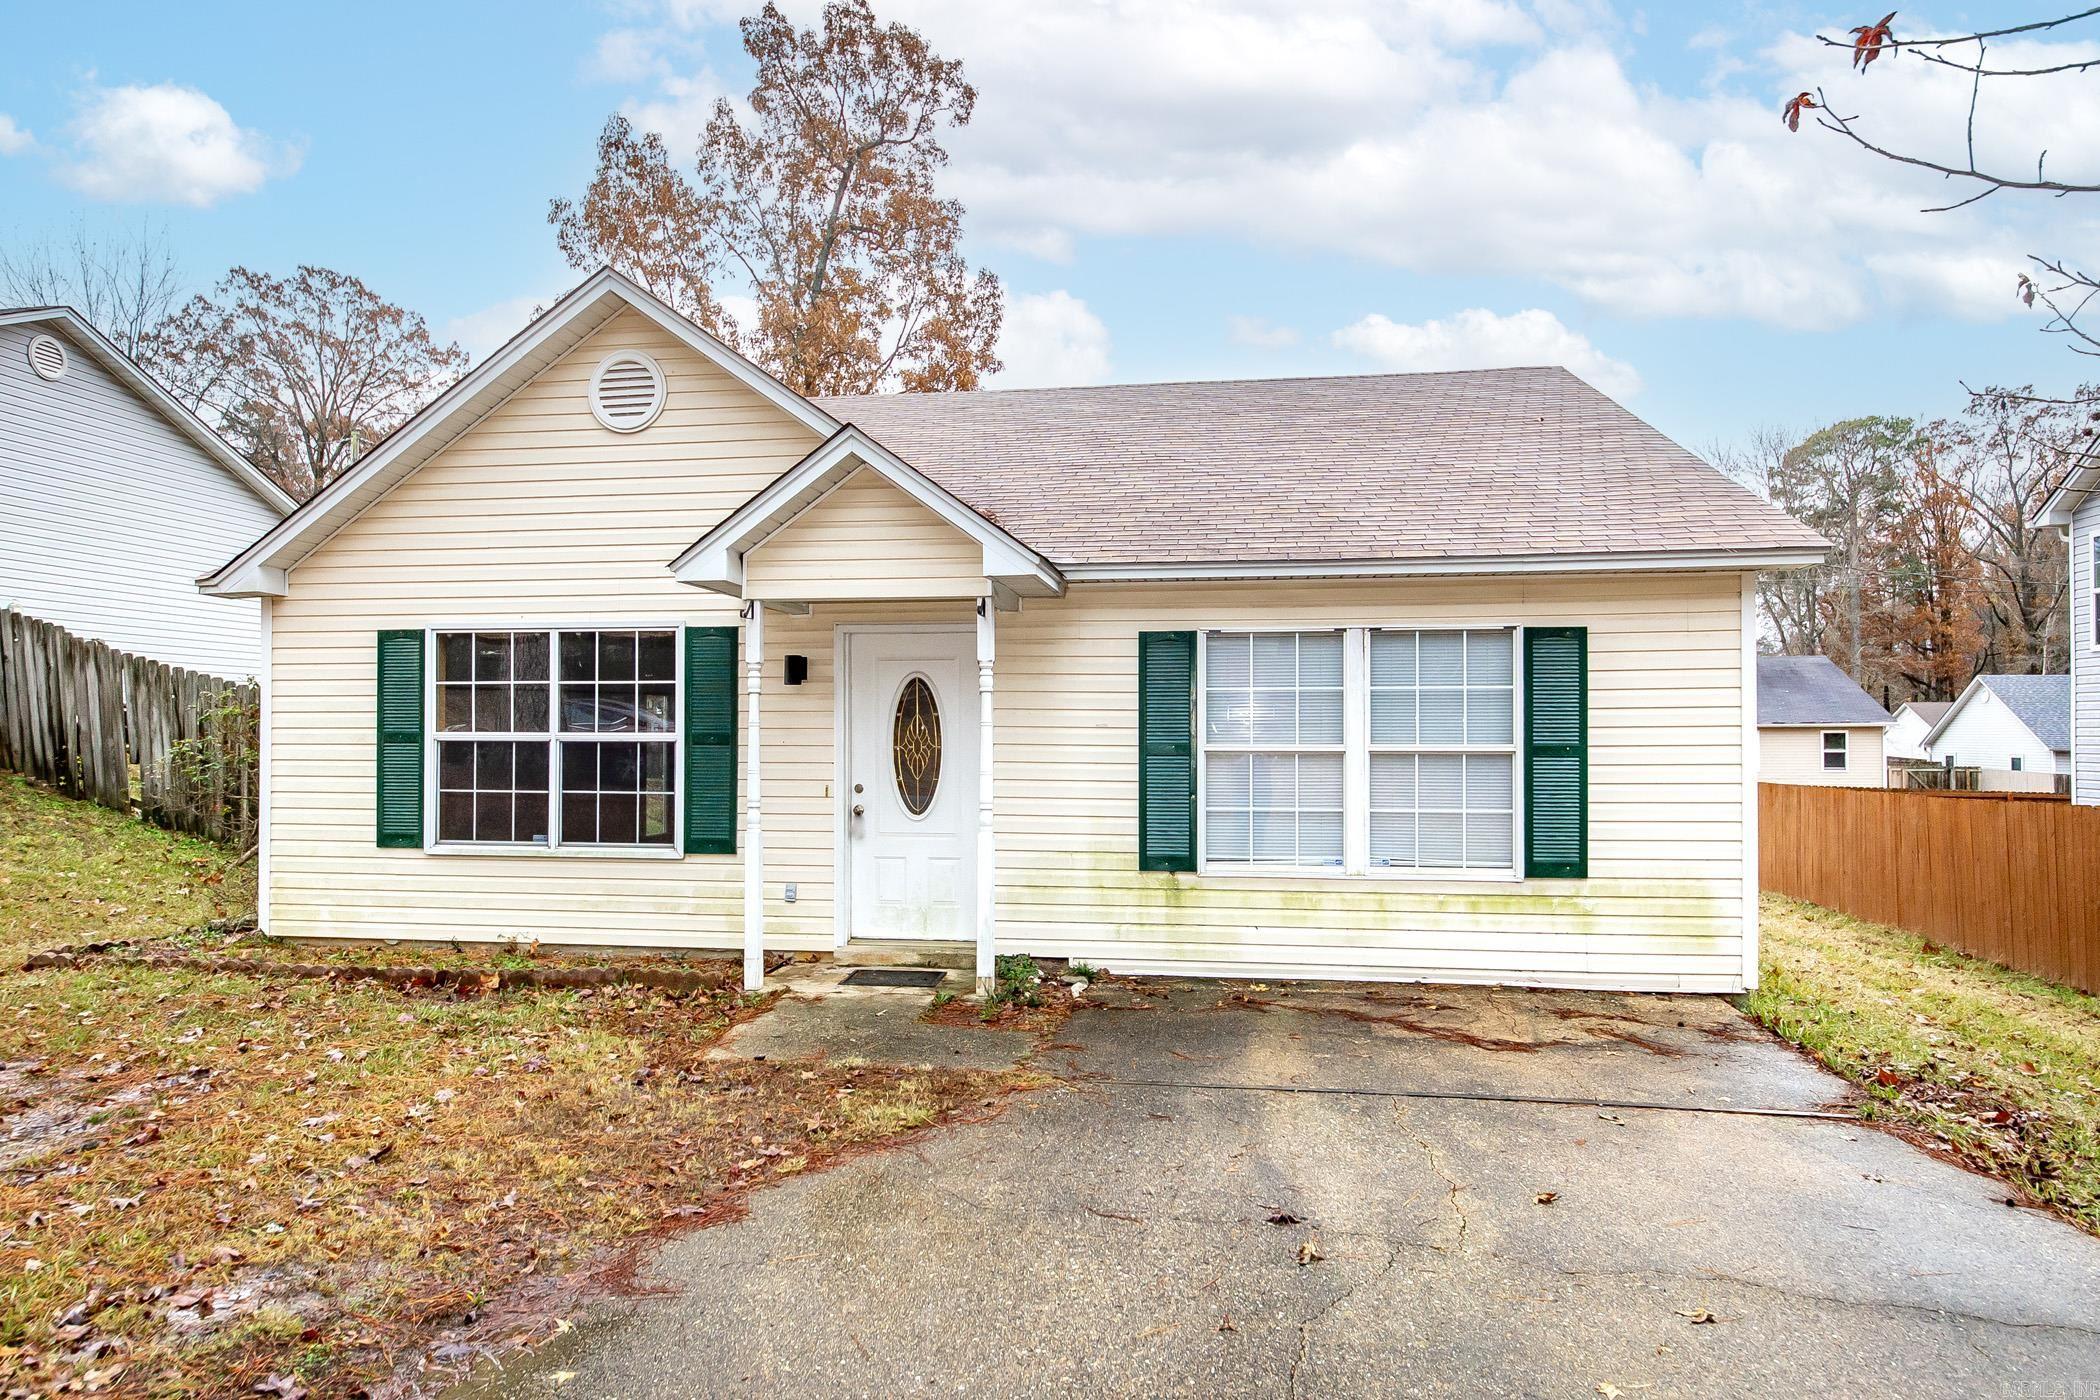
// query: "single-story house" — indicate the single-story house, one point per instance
point(1905, 739)
point(98, 459)
point(621, 641)
point(2074, 508)
point(2005, 725)
point(1815, 725)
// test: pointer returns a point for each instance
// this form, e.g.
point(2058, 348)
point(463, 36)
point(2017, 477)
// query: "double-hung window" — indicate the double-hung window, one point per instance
point(1274, 748)
point(556, 738)
point(1360, 750)
point(1835, 746)
point(1442, 750)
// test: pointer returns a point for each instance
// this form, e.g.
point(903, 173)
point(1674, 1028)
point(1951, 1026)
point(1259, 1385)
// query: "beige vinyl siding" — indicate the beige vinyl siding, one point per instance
point(537, 515)
point(866, 539)
point(1791, 755)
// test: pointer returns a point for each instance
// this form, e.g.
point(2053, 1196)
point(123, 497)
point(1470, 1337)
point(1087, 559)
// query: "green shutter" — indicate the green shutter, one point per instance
point(1556, 752)
point(400, 776)
point(710, 741)
point(1166, 750)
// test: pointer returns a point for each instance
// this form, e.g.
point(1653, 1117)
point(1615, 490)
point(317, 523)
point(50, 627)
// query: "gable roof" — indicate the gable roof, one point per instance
point(82, 334)
point(716, 559)
point(1482, 471)
point(260, 569)
point(2042, 703)
point(1930, 711)
point(1500, 465)
point(1811, 690)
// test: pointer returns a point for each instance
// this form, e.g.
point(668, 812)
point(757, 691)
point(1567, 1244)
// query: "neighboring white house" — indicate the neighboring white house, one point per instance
point(1914, 720)
point(621, 641)
point(114, 498)
point(2016, 730)
point(2075, 509)
point(1816, 726)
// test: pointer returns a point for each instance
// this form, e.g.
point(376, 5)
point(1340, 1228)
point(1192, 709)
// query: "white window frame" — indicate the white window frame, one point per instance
point(1843, 751)
point(433, 735)
point(1356, 757)
point(2092, 584)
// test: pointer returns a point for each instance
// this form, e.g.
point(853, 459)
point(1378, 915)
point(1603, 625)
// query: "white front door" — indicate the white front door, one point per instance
point(911, 776)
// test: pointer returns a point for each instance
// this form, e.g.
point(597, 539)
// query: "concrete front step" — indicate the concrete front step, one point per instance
point(956, 957)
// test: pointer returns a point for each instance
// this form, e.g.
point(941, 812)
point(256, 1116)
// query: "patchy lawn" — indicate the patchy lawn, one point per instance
point(2000, 1069)
point(211, 1182)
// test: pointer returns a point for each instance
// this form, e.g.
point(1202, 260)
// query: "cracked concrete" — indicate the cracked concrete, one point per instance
point(1103, 1238)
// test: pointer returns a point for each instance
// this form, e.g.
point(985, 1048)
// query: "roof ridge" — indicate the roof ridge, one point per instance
point(1206, 383)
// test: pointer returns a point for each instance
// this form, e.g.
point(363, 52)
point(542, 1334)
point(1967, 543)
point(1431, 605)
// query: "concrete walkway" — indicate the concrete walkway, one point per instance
point(1113, 1236)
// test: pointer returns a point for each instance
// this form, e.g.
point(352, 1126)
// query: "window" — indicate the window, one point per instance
point(2017, 762)
point(1834, 749)
point(551, 739)
point(2092, 581)
point(1360, 750)
point(1273, 748)
point(1443, 749)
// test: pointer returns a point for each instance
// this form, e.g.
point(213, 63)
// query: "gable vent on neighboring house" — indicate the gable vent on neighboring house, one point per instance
point(47, 357)
point(627, 392)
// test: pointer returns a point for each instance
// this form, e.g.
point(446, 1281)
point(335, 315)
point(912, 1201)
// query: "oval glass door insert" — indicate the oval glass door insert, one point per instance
point(915, 746)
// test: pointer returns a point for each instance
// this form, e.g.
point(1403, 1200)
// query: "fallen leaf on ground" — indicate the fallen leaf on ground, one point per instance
point(1546, 1198)
point(1284, 1217)
point(1309, 1250)
point(1698, 1317)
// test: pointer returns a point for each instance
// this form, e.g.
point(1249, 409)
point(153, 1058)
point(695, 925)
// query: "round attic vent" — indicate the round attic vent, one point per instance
point(627, 392)
point(47, 357)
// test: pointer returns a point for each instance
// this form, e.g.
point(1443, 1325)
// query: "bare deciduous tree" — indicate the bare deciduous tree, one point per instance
point(125, 284)
point(823, 208)
point(2062, 288)
point(303, 374)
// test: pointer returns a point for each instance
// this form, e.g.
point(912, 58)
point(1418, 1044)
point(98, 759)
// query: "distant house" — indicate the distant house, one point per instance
point(2002, 725)
point(114, 498)
point(1816, 726)
point(1914, 720)
point(2075, 509)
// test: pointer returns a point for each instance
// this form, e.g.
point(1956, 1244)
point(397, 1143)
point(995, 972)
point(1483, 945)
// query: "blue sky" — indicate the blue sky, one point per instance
point(1169, 190)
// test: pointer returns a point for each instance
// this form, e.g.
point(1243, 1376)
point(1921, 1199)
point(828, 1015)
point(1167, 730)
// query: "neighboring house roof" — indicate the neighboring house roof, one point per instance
point(2078, 483)
point(1811, 690)
point(83, 335)
point(1484, 471)
point(1930, 711)
point(2042, 703)
point(1500, 464)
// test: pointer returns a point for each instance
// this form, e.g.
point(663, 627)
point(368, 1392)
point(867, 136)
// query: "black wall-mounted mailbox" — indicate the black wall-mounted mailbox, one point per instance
point(797, 669)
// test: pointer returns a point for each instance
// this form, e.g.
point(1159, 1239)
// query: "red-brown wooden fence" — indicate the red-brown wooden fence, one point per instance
point(2013, 877)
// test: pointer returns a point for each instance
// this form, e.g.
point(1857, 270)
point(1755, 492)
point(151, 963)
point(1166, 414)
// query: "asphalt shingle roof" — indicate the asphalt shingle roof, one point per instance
point(2042, 703)
point(1471, 464)
point(1812, 690)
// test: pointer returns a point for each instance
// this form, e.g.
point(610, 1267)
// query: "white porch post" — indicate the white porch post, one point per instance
point(987, 870)
point(754, 827)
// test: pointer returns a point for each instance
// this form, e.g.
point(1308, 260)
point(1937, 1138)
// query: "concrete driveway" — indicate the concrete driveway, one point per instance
point(1112, 1235)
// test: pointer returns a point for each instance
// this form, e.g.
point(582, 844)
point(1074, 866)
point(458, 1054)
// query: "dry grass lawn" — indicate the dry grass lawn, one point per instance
point(210, 1183)
point(1995, 1067)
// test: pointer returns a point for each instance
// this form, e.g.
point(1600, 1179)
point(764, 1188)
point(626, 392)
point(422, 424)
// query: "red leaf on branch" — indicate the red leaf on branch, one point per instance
point(1867, 40)
point(1801, 102)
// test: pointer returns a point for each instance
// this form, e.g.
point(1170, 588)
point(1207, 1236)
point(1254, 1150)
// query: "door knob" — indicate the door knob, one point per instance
point(859, 811)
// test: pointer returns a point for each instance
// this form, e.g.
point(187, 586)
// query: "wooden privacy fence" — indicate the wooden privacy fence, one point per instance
point(175, 747)
point(2013, 877)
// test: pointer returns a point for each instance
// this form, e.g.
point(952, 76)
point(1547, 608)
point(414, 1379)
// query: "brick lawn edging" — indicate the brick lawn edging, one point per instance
point(664, 979)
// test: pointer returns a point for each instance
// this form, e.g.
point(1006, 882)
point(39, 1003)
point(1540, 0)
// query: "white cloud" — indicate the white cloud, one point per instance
point(167, 143)
point(1480, 339)
point(1262, 335)
point(481, 333)
point(1049, 340)
point(13, 139)
point(1470, 138)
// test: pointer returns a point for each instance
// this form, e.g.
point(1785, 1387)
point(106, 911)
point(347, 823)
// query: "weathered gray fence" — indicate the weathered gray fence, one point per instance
point(176, 748)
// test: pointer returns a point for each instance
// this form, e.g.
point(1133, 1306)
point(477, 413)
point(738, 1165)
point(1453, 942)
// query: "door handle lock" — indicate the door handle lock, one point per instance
point(859, 811)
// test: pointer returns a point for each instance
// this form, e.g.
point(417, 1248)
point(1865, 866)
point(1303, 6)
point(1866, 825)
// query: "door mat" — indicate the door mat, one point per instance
point(922, 977)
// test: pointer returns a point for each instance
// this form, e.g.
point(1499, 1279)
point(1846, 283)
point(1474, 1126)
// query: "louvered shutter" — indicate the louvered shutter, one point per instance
point(710, 741)
point(1556, 752)
point(400, 766)
point(1166, 751)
